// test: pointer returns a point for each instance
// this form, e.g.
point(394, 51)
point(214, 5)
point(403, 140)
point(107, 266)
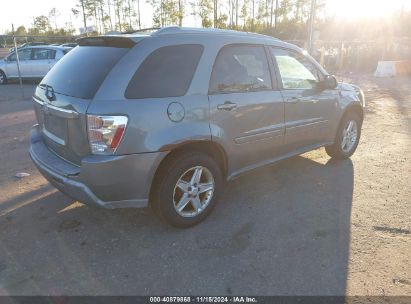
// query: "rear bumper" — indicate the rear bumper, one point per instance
point(106, 181)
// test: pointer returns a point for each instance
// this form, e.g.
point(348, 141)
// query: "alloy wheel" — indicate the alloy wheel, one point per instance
point(193, 191)
point(349, 136)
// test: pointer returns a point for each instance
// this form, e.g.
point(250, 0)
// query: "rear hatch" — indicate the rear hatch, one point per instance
point(63, 96)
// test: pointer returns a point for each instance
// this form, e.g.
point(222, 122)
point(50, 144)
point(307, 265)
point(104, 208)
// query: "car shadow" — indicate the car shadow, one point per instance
point(280, 230)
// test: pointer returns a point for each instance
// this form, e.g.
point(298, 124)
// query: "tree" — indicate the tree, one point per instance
point(273, 12)
point(166, 12)
point(41, 24)
point(244, 13)
point(109, 15)
point(80, 7)
point(21, 31)
point(215, 12)
point(138, 14)
point(180, 12)
point(203, 9)
point(53, 14)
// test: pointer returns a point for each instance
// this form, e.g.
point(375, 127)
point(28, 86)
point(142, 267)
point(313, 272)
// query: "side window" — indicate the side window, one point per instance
point(296, 71)
point(24, 54)
point(12, 57)
point(166, 72)
point(43, 54)
point(240, 68)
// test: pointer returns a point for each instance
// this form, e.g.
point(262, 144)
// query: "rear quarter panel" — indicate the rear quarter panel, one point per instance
point(149, 127)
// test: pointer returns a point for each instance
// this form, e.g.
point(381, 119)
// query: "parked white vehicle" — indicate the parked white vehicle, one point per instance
point(35, 62)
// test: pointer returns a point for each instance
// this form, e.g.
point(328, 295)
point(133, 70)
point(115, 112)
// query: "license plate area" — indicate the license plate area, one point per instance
point(55, 128)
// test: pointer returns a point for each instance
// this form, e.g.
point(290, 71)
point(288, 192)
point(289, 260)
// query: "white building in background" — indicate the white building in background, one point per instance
point(88, 29)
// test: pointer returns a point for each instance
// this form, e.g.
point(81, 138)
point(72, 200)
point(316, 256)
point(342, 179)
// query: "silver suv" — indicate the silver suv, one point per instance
point(165, 119)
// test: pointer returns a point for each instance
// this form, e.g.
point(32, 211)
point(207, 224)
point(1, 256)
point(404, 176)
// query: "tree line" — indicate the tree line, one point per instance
point(248, 15)
point(286, 19)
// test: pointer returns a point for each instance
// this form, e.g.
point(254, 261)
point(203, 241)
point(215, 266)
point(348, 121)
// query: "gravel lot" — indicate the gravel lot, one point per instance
point(304, 226)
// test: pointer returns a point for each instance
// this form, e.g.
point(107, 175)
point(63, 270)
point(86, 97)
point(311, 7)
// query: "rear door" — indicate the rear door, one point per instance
point(43, 60)
point(63, 96)
point(247, 112)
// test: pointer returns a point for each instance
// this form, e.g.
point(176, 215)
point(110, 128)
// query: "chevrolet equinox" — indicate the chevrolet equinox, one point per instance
point(164, 119)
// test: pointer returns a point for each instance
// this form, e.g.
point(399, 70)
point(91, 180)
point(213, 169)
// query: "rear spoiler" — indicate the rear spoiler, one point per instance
point(110, 41)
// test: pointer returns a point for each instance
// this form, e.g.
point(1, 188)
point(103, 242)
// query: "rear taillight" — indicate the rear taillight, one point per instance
point(105, 132)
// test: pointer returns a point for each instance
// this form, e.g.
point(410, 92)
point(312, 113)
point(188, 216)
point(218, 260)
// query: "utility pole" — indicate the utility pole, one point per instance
point(312, 19)
point(17, 61)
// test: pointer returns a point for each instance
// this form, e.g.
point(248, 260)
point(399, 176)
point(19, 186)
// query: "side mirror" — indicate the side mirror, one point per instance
point(329, 83)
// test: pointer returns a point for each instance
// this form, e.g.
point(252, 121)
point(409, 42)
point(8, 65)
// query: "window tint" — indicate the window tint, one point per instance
point(240, 69)
point(81, 72)
point(24, 54)
point(43, 54)
point(296, 71)
point(166, 72)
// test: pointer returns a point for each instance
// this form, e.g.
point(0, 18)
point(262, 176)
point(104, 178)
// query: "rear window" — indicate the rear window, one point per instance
point(81, 72)
point(166, 72)
point(43, 54)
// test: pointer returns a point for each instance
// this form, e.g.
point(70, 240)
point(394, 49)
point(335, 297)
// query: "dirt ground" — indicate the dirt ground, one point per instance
point(304, 226)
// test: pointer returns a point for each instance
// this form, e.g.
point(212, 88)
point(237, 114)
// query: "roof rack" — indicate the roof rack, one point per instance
point(158, 31)
point(188, 30)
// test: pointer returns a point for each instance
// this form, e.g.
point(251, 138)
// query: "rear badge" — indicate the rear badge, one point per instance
point(176, 112)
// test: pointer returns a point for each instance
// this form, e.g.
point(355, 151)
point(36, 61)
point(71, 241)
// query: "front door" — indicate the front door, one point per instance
point(247, 112)
point(308, 110)
point(24, 63)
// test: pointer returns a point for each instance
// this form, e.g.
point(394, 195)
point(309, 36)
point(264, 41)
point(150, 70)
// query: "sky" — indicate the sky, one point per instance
point(22, 12)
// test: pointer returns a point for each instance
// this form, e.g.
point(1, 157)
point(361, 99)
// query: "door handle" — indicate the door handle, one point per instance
point(293, 100)
point(227, 106)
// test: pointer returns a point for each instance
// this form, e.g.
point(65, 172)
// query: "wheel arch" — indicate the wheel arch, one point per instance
point(211, 148)
point(354, 108)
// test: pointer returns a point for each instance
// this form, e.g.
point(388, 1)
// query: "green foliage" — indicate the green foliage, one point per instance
point(41, 25)
point(285, 19)
point(166, 12)
point(204, 10)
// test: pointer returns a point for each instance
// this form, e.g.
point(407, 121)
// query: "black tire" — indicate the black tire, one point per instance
point(336, 150)
point(3, 77)
point(163, 193)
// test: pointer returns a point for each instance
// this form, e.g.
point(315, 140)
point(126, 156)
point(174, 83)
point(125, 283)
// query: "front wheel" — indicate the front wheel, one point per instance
point(186, 189)
point(347, 138)
point(3, 77)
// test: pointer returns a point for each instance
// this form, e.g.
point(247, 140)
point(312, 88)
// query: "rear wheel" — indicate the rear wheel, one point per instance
point(186, 189)
point(348, 136)
point(3, 78)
